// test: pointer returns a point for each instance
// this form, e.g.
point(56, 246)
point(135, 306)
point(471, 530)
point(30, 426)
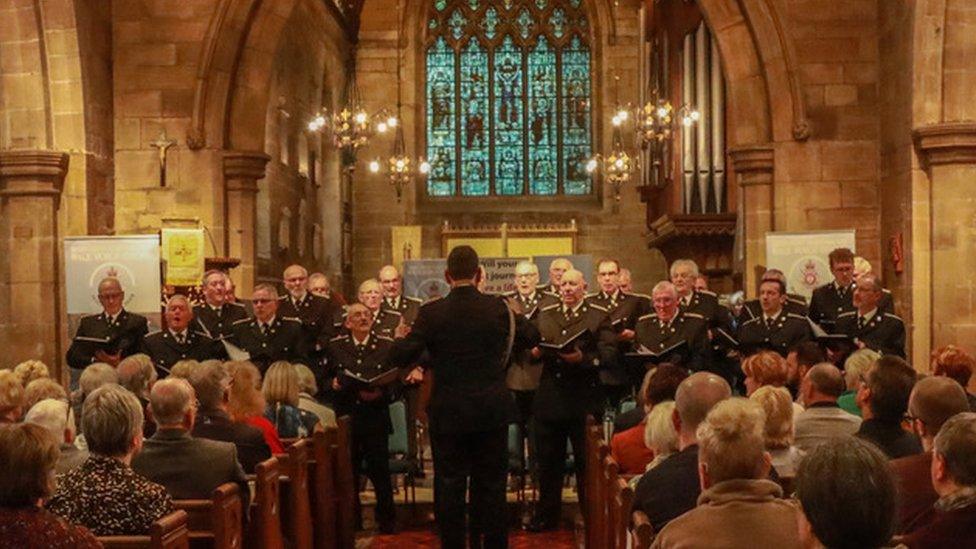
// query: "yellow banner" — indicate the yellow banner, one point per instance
point(183, 253)
point(405, 241)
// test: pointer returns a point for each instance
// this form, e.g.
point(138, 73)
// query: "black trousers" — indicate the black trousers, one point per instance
point(477, 461)
point(550, 439)
point(373, 451)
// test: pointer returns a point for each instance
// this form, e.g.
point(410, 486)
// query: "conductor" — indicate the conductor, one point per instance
point(468, 337)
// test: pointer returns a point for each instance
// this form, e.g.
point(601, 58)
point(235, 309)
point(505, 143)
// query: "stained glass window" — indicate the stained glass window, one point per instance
point(508, 98)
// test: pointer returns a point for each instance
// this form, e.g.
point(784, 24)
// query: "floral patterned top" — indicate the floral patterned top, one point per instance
point(35, 528)
point(109, 498)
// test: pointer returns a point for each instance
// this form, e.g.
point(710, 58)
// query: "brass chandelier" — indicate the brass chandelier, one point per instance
point(352, 126)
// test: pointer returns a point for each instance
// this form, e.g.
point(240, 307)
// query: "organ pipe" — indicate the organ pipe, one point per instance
point(688, 137)
point(703, 153)
point(717, 122)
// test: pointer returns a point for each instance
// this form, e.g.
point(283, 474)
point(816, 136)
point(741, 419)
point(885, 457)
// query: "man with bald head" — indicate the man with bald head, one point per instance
point(569, 388)
point(110, 335)
point(556, 269)
point(393, 299)
point(868, 324)
point(933, 401)
point(823, 419)
point(189, 468)
point(672, 488)
point(179, 341)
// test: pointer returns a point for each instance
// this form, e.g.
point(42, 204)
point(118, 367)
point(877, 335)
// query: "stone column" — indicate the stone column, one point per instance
point(30, 275)
point(753, 164)
point(242, 170)
point(947, 151)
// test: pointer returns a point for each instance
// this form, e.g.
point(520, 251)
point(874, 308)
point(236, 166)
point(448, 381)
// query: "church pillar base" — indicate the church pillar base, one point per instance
point(242, 170)
point(754, 166)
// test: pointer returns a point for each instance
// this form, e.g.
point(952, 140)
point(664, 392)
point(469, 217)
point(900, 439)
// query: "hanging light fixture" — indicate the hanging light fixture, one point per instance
point(401, 168)
point(352, 126)
point(617, 165)
point(655, 120)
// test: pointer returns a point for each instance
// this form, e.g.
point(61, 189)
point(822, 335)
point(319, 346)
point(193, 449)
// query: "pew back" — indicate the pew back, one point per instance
point(295, 510)
point(216, 522)
point(169, 532)
point(264, 529)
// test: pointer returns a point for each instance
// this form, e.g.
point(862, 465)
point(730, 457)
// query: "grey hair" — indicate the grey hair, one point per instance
point(874, 279)
point(659, 432)
point(956, 443)
point(678, 263)
point(170, 400)
point(525, 263)
point(306, 379)
point(137, 374)
point(664, 286)
point(111, 419)
point(267, 288)
point(96, 375)
point(210, 382)
point(53, 415)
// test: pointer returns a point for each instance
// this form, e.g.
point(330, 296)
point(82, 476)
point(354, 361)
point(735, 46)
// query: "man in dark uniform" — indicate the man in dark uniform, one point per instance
point(393, 298)
point(684, 272)
point(177, 341)
point(775, 329)
point(624, 310)
point(217, 316)
point(524, 371)
point(318, 315)
point(466, 335)
point(795, 304)
point(837, 297)
point(386, 322)
point(269, 336)
point(872, 328)
point(568, 390)
point(557, 267)
point(668, 326)
point(365, 353)
point(110, 335)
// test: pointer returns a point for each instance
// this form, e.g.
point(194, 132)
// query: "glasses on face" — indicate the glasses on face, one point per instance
point(113, 295)
point(261, 301)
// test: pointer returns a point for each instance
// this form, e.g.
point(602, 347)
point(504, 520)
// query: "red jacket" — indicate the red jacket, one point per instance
point(628, 450)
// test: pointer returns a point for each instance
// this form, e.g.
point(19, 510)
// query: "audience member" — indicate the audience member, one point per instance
point(883, 399)
point(212, 385)
point(659, 433)
point(659, 384)
point(29, 450)
point(104, 493)
point(245, 403)
point(183, 368)
point(738, 505)
point(11, 397)
point(29, 370)
point(952, 362)
point(307, 388)
point(934, 400)
point(92, 378)
point(953, 521)
point(854, 367)
point(778, 407)
point(189, 468)
point(764, 368)
point(137, 374)
point(672, 488)
point(822, 419)
point(803, 357)
point(41, 389)
point(280, 390)
point(627, 447)
point(56, 417)
point(847, 496)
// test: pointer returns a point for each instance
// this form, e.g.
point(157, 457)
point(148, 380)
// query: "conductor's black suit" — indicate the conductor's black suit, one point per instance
point(465, 335)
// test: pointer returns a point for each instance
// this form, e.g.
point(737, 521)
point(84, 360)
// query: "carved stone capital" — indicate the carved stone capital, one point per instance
point(32, 173)
point(753, 163)
point(244, 165)
point(946, 143)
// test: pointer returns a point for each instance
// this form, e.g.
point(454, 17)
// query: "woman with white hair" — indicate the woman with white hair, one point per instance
point(104, 493)
point(11, 397)
point(55, 416)
point(778, 433)
point(308, 387)
point(738, 506)
point(855, 367)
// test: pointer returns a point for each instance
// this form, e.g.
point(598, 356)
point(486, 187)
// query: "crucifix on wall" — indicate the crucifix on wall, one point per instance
point(162, 144)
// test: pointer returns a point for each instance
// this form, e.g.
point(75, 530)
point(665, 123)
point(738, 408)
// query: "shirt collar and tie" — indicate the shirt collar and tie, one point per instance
point(266, 326)
point(180, 337)
point(571, 311)
point(297, 301)
point(360, 344)
point(113, 319)
point(771, 320)
point(862, 320)
point(686, 300)
point(393, 302)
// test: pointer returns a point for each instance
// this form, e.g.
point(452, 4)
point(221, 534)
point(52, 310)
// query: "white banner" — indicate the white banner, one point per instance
point(134, 260)
point(803, 257)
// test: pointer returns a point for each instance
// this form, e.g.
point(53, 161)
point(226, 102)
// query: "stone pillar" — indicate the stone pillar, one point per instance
point(947, 151)
point(30, 275)
point(753, 164)
point(242, 170)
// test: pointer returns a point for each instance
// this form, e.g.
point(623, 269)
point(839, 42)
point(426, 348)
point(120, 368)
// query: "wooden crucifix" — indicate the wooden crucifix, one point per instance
point(162, 143)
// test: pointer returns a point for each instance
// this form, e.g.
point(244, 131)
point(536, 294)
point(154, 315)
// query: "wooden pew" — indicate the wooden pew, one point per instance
point(595, 494)
point(621, 503)
point(295, 510)
point(264, 528)
point(322, 483)
point(169, 532)
point(347, 494)
point(216, 522)
point(641, 531)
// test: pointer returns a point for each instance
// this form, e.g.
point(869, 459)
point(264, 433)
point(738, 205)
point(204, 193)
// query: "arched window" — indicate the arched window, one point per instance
point(508, 98)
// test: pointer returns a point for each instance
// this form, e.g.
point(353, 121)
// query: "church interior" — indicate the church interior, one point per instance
point(346, 135)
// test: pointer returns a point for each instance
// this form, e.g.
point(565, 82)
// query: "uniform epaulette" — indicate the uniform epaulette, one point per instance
point(693, 315)
point(848, 313)
point(154, 332)
point(392, 312)
point(794, 315)
point(550, 307)
point(292, 319)
point(592, 294)
point(236, 304)
point(708, 292)
point(340, 337)
point(236, 322)
point(282, 297)
point(598, 307)
point(797, 301)
point(383, 337)
point(414, 299)
point(202, 334)
point(635, 294)
point(885, 290)
point(91, 315)
point(750, 321)
point(648, 315)
point(898, 318)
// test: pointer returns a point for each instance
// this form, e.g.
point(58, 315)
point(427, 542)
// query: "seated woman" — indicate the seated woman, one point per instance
point(778, 434)
point(281, 395)
point(11, 397)
point(854, 367)
point(660, 436)
point(738, 507)
point(245, 403)
point(104, 493)
point(952, 362)
point(627, 446)
point(31, 451)
point(307, 389)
